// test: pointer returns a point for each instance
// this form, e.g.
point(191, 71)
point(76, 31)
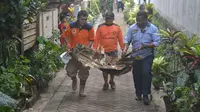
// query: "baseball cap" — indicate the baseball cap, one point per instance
point(109, 15)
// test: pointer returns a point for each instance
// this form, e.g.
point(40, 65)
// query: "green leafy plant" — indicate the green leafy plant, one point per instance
point(159, 68)
point(182, 55)
point(149, 8)
point(9, 51)
point(169, 36)
point(18, 75)
point(10, 84)
point(183, 100)
point(17, 12)
point(132, 16)
point(159, 65)
point(13, 13)
point(45, 61)
point(150, 17)
point(6, 109)
point(157, 82)
point(21, 67)
point(129, 8)
point(93, 10)
point(90, 18)
point(196, 50)
point(187, 44)
point(169, 39)
point(193, 55)
point(190, 51)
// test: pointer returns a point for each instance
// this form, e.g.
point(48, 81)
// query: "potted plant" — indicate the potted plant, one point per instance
point(158, 68)
point(157, 82)
point(168, 104)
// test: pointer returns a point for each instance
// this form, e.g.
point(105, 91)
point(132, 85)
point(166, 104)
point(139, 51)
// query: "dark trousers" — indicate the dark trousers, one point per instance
point(142, 75)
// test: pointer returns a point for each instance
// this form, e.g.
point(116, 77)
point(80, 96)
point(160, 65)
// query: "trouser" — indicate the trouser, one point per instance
point(75, 67)
point(111, 58)
point(142, 75)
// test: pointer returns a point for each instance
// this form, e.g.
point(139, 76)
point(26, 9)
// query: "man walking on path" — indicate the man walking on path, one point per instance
point(108, 36)
point(120, 4)
point(142, 7)
point(143, 36)
point(79, 32)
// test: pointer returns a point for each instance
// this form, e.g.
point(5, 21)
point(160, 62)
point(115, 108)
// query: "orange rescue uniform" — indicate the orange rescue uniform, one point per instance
point(108, 37)
point(79, 35)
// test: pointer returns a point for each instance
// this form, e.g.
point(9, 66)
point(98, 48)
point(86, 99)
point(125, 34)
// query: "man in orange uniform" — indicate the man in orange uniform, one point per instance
point(79, 32)
point(108, 36)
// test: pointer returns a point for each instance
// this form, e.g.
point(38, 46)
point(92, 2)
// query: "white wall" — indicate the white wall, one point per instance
point(48, 21)
point(184, 14)
point(141, 1)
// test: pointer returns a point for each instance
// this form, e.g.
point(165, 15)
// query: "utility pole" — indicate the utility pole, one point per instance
point(149, 1)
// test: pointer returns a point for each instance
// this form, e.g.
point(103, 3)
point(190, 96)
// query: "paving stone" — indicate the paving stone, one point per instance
point(55, 102)
point(63, 88)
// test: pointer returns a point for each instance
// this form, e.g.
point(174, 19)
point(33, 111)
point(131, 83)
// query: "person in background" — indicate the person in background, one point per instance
point(68, 12)
point(103, 7)
point(62, 27)
point(143, 36)
point(142, 7)
point(120, 4)
point(64, 9)
point(78, 32)
point(108, 35)
point(145, 1)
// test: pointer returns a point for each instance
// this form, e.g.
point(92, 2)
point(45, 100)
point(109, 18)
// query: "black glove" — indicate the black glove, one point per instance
point(123, 54)
point(144, 46)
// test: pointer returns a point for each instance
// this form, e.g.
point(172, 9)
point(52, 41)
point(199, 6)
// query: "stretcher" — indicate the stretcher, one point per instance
point(88, 58)
point(92, 59)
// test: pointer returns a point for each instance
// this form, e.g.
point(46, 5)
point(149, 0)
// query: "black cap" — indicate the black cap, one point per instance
point(110, 15)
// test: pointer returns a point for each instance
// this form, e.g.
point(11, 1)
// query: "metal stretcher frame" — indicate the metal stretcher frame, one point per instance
point(123, 66)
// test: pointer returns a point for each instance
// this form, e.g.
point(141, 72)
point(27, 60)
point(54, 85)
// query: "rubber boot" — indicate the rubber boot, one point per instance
point(112, 83)
point(81, 91)
point(106, 85)
point(74, 83)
